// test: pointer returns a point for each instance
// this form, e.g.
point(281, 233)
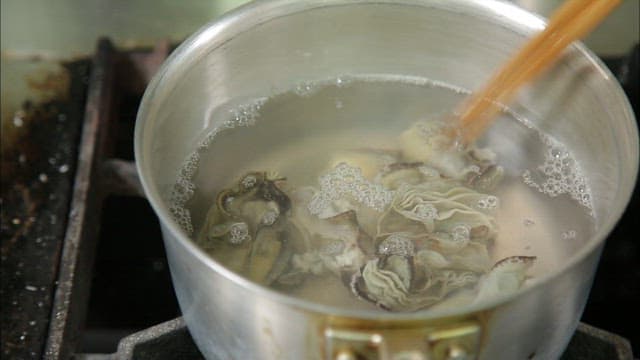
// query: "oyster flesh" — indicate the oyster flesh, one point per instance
point(248, 222)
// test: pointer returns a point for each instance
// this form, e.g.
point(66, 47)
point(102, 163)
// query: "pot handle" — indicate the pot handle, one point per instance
point(459, 341)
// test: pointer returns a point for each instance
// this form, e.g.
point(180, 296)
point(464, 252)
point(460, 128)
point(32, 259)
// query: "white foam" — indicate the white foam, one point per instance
point(425, 212)
point(346, 180)
point(270, 217)
point(559, 174)
point(306, 89)
point(569, 234)
point(239, 233)
point(243, 115)
point(461, 234)
point(397, 244)
point(488, 202)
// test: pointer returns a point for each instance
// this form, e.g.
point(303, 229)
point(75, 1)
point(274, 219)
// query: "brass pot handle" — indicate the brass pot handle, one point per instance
point(459, 341)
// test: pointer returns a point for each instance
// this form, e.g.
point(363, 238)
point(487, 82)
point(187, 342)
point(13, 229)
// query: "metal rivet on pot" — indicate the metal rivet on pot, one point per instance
point(457, 352)
point(345, 354)
point(409, 355)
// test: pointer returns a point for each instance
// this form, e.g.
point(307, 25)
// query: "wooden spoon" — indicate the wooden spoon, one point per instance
point(573, 20)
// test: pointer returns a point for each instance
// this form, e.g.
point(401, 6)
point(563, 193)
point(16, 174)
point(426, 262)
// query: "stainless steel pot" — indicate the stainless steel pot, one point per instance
point(269, 46)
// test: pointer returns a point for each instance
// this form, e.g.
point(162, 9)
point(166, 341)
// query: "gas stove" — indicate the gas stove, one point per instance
point(95, 283)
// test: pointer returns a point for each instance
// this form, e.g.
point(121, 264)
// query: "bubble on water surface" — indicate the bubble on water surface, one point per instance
point(559, 174)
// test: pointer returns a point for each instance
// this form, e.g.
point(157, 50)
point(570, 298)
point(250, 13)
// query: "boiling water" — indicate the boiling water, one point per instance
point(544, 205)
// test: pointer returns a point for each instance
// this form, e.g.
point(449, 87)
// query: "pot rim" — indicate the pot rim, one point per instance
point(244, 18)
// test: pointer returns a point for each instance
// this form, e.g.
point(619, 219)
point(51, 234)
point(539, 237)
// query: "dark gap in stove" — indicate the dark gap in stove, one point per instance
point(133, 69)
point(131, 287)
point(123, 143)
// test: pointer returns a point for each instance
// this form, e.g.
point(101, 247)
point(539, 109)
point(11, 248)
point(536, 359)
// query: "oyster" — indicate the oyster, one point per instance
point(390, 282)
point(488, 178)
point(395, 175)
point(256, 201)
point(383, 287)
point(448, 211)
point(248, 222)
point(369, 161)
point(337, 245)
point(430, 142)
point(399, 284)
point(430, 259)
point(505, 277)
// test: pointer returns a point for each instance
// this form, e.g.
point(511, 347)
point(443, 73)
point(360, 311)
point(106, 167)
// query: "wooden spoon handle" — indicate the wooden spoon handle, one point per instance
point(573, 20)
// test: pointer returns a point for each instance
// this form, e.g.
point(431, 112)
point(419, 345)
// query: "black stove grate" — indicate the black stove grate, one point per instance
point(113, 278)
